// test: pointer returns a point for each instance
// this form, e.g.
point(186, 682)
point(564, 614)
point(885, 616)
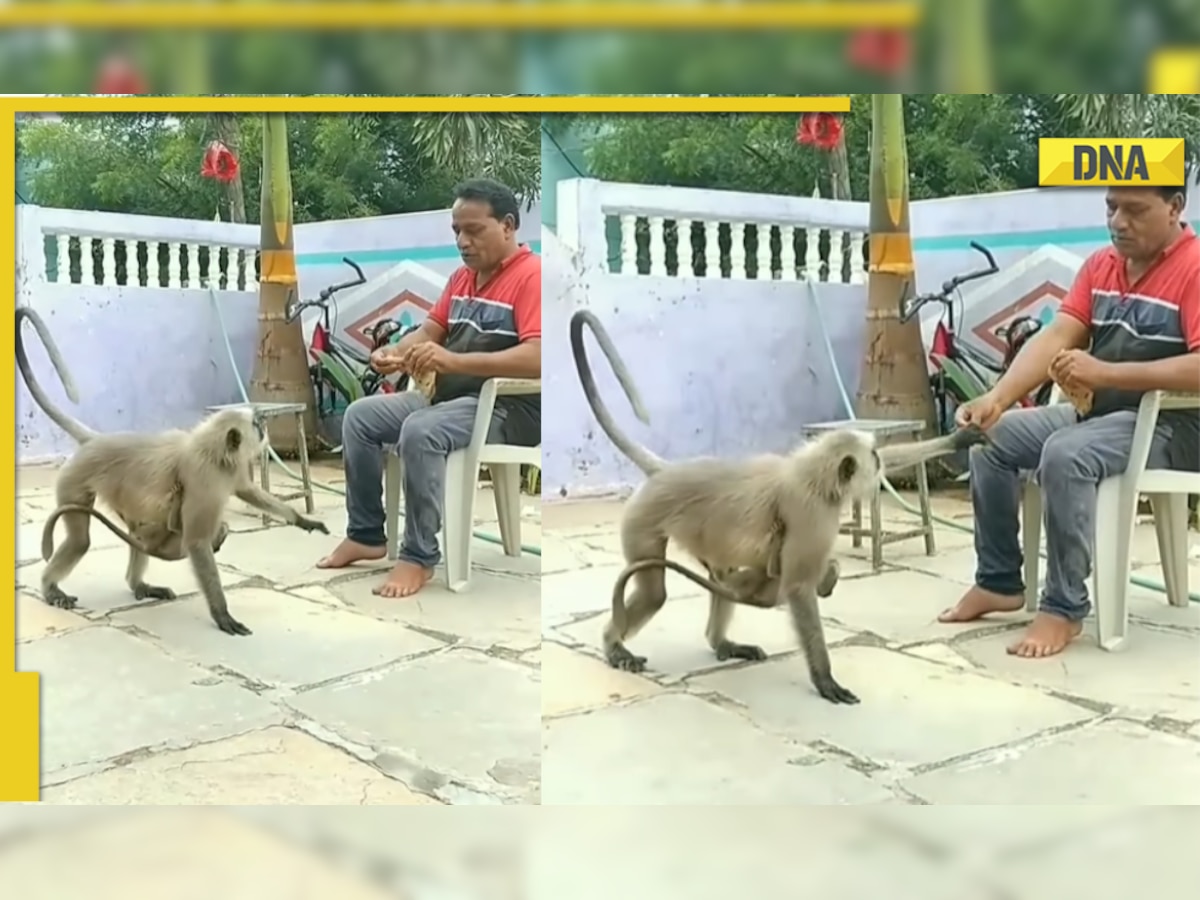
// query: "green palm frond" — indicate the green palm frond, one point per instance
point(506, 147)
point(1139, 115)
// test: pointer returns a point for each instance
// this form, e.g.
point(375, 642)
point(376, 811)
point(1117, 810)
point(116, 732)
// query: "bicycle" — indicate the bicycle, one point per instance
point(341, 371)
point(961, 372)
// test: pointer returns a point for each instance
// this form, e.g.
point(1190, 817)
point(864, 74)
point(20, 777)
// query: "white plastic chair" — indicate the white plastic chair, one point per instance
point(1116, 510)
point(462, 479)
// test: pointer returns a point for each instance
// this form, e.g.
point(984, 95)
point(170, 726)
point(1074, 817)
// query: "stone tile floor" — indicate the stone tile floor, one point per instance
point(338, 697)
point(513, 853)
point(947, 717)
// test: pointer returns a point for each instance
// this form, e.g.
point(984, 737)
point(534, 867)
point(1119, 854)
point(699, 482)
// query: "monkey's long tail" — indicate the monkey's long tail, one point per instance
point(645, 460)
point(48, 531)
point(618, 597)
point(73, 427)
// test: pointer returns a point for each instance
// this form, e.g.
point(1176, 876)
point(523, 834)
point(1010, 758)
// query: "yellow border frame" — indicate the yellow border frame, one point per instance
point(513, 103)
point(1175, 71)
point(19, 691)
point(550, 15)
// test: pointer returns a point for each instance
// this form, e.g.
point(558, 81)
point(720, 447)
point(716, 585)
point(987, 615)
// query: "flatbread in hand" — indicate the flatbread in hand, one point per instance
point(1081, 398)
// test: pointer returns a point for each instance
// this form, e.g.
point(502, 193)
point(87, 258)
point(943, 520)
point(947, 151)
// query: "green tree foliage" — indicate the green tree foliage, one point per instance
point(342, 166)
point(1034, 45)
point(1140, 115)
point(957, 144)
point(268, 61)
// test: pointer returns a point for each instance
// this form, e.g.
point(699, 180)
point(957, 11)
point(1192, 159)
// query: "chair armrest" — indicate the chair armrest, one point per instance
point(1143, 434)
point(492, 388)
point(1178, 400)
point(511, 386)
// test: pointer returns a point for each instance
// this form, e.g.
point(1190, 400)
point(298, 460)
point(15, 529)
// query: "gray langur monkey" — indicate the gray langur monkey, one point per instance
point(156, 539)
point(769, 513)
point(173, 482)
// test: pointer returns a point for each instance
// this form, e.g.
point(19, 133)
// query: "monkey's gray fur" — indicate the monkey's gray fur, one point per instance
point(150, 538)
point(158, 484)
point(744, 586)
point(759, 513)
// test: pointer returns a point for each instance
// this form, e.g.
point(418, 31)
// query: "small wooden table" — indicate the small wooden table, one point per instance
point(882, 429)
point(262, 412)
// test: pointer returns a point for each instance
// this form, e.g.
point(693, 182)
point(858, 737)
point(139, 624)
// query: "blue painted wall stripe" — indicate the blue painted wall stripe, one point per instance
point(1019, 238)
point(996, 241)
point(415, 254)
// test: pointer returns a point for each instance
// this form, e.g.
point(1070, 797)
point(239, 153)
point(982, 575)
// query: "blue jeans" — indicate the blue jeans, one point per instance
point(424, 436)
point(1070, 458)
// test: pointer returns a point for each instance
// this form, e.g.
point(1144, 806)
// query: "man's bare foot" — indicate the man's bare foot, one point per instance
point(404, 580)
point(977, 603)
point(349, 552)
point(1046, 635)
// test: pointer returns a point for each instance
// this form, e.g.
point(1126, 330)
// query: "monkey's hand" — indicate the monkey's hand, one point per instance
point(310, 524)
point(969, 437)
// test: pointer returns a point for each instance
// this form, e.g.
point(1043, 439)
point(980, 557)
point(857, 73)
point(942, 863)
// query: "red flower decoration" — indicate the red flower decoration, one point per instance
point(884, 51)
point(219, 163)
point(118, 75)
point(821, 130)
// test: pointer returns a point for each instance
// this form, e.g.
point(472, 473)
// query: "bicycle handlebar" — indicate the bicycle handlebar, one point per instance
point(948, 287)
point(326, 294)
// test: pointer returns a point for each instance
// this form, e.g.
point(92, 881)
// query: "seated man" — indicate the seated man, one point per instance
point(1130, 324)
point(487, 324)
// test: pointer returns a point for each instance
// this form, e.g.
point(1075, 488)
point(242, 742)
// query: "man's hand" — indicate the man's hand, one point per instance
point(386, 361)
point(982, 412)
point(1079, 369)
point(429, 357)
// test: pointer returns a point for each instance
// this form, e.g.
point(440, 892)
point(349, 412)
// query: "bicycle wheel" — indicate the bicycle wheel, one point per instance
point(331, 407)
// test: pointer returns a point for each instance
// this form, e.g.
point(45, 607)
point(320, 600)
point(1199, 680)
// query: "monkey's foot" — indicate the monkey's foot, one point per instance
point(145, 591)
point(230, 625)
point(834, 692)
point(829, 582)
point(620, 658)
point(732, 650)
point(56, 596)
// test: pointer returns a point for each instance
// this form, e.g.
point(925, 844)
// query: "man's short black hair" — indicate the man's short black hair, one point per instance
point(496, 195)
point(1167, 192)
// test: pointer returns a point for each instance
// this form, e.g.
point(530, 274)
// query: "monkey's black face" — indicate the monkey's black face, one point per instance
point(859, 470)
point(847, 469)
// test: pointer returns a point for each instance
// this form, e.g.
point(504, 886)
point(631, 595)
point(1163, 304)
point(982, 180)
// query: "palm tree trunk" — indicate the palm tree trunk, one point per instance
point(839, 184)
point(229, 133)
point(191, 68)
point(281, 367)
point(895, 380)
point(966, 63)
point(839, 171)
